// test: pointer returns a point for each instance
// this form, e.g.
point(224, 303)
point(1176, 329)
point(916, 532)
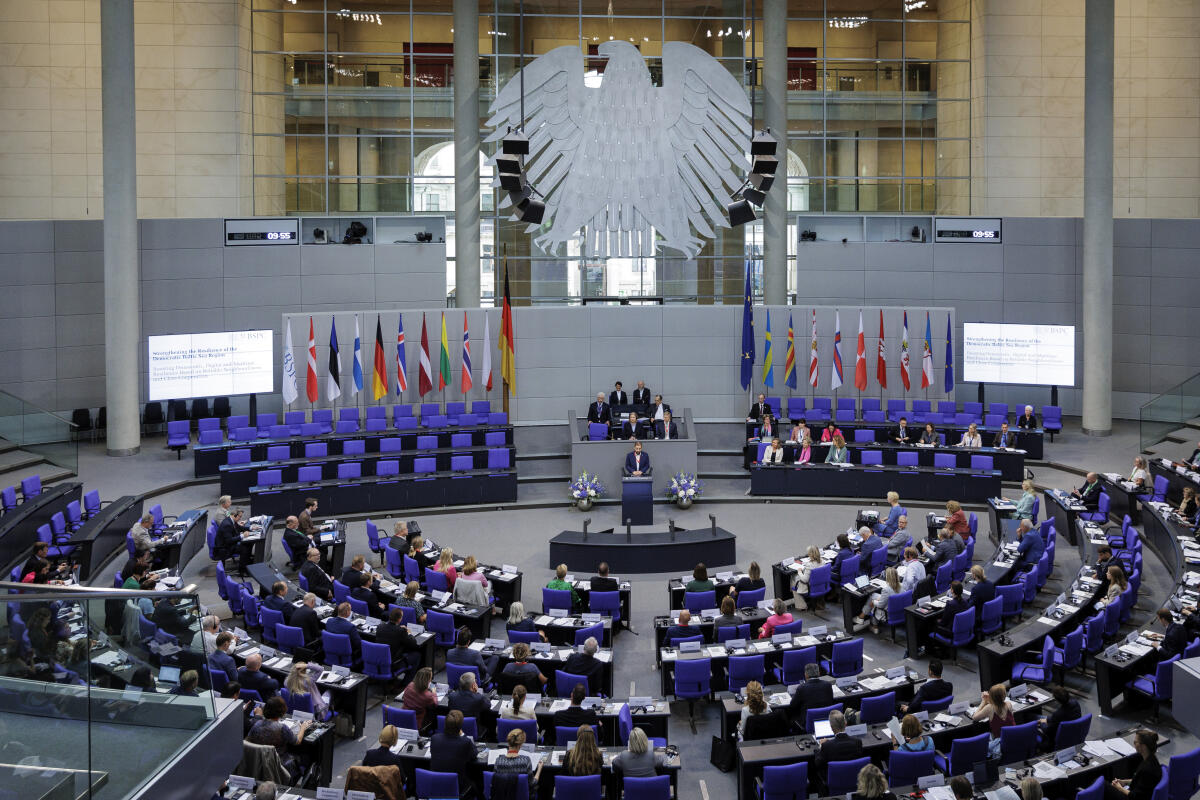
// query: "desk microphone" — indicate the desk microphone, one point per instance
point(586, 522)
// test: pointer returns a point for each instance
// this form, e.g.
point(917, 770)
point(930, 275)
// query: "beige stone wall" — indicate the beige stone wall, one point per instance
point(193, 108)
point(1028, 109)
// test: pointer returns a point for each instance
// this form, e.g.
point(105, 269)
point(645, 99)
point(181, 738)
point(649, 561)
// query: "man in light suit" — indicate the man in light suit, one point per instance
point(617, 396)
point(599, 411)
point(666, 428)
point(1003, 438)
point(641, 395)
point(637, 463)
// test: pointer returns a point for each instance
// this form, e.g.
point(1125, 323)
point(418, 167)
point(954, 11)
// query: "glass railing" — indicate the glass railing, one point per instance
point(38, 431)
point(1169, 411)
point(96, 688)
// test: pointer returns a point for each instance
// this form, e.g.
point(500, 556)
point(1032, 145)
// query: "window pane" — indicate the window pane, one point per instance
point(953, 158)
point(863, 118)
point(880, 77)
point(853, 36)
point(368, 31)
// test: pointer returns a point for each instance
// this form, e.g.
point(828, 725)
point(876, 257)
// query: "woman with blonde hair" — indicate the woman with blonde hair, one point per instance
point(1117, 583)
point(416, 551)
point(872, 785)
point(875, 610)
point(513, 762)
point(300, 682)
point(584, 758)
point(1187, 508)
point(382, 755)
point(811, 562)
point(838, 453)
point(750, 581)
point(755, 704)
point(805, 454)
point(445, 565)
point(639, 759)
point(1025, 504)
point(517, 621)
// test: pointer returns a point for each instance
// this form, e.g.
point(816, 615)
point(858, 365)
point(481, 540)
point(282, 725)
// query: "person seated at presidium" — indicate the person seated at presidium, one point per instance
point(971, 437)
point(901, 433)
point(1003, 438)
point(830, 433)
point(637, 463)
point(1027, 420)
point(659, 409)
point(633, 428)
point(929, 435)
point(774, 452)
point(805, 453)
point(838, 452)
point(666, 428)
point(599, 411)
point(766, 431)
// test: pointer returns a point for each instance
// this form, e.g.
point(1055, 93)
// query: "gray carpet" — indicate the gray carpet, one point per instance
point(766, 532)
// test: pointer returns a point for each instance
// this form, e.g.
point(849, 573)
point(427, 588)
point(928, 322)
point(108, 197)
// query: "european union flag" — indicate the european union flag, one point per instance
point(747, 335)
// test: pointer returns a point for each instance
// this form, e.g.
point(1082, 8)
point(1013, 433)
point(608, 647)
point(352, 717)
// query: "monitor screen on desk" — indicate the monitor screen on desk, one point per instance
point(189, 365)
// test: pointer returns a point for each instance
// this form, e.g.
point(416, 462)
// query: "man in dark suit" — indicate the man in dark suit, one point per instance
point(1003, 438)
point(1174, 638)
point(955, 605)
point(901, 434)
point(641, 395)
point(982, 591)
point(633, 428)
point(813, 693)
point(167, 617)
point(683, 630)
point(451, 751)
point(394, 633)
point(758, 410)
point(251, 676)
point(340, 623)
point(1068, 709)
point(575, 714)
point(933, 689)
point(353, 574)
point(842, 747)
point(1089, 493)
point(666, 428)
point(585, 663)
point(277, 601)
point(870, 543)
point(659, 409)
point(599, 411)
point(365, 592)
point(296, 541)
point(617, 396)
point(220, 660)
point(601, 582)
point(468, 699)
point(305, 618)
point(319, 583)
point(463, 655)
point(637, 463)
point(229, 541)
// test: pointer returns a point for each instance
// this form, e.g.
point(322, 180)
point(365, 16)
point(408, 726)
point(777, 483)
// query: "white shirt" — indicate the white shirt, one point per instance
point(1138, 473)
point(911, 573)
point(658, 411)
point(971, 441)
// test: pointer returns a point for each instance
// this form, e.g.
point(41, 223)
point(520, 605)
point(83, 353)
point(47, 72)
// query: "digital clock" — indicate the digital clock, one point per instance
point(966, 229)
point(241, 232)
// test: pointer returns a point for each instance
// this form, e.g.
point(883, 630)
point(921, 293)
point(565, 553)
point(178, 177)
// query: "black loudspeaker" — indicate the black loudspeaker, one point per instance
point(740, 212)
point(516, 144)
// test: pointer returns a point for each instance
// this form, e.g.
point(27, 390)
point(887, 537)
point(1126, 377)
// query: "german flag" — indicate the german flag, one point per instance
point(508, 345)
point(379, 381)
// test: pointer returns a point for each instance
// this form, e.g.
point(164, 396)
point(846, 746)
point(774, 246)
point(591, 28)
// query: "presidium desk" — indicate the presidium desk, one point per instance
point(606, 459)
point(913, 483)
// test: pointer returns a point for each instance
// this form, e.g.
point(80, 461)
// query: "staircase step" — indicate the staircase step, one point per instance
point(17, 459)
point(6, 446)
point(47, 472)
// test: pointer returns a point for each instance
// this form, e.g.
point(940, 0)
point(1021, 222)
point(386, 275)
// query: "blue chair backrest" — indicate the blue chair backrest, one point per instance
point(698, 601)
point(843, 775)
point(270, 477)
point(424, 465)
point(966, 752)
point(241, 456)
point(316, 450)
point(1072, 732)
point(871, 457)
point(392, 444)
point(504, 726)
point(1184, 771)
point(556, 598)
point(879, 708)
point(387, 467)
point(906, 459)
point(818, 580)
point(751, 597)
point(896, 603)
point(498, 458)
point(905, 768)
point(812, 715)
point(1018, 742)
point(785, 782)
point(308, 473)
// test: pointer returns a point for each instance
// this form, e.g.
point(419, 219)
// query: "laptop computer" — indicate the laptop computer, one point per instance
point(168, 675)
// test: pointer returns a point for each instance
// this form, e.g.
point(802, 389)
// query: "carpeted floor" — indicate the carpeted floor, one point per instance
point(766, 532)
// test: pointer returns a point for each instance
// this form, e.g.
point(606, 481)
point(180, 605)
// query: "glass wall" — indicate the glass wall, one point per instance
point(353, 113)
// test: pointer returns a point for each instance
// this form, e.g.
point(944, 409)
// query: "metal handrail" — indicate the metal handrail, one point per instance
point(21, 592)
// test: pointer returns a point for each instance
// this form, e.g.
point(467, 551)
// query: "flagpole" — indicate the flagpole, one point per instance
point(504, 378)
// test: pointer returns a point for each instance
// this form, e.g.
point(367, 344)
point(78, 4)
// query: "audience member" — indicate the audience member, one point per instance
point(560, 582)
point(750, 581)
point(382, 755)
point(1068, 709)
point(601, 582)
point(700, 581)
point(272, 731)
point(453, 752)
point(418, 697)
point(515, 707)
point(251, 676)
point(319, 582)
point(463, 655)
point(812, 693)
point(842, 747)
point(779, 616)
point(638, 760)
point(520, 670)
point(933, 689)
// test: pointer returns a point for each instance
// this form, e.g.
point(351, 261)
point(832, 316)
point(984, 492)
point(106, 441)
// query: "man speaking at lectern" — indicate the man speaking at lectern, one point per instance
point(637, 463)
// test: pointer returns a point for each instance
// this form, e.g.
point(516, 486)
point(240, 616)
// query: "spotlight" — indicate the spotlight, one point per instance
point(754, 196)
point(740, 212)
point(510, 164)
point(527, 209)
point(510, 182)
point(516, 143)
point(761, 182)
point(763, 144)
point(764, 165)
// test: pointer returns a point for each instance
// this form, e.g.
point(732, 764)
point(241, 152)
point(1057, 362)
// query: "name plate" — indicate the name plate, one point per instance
point(850, 680)
point(641, 701)
point(1018, 691)
point(820, 630)
point(341, 671)
point(558, 612)
point(857, 730)
point(329, 793)
point(766, 604)
point(356, 794)
point(592, 618)
point(928, 781)
point(736, 643)
point(781, 638)
point(896, 672)
point(302, 716)
point(415, 629)
point(407, 734)
point(498, 643)
point(540, 647)
point(241, 782)
point(958, 708)
point(923, 716)
point(508, 568)
point(689, 647)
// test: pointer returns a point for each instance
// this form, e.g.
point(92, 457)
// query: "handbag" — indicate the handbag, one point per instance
point(723, 754)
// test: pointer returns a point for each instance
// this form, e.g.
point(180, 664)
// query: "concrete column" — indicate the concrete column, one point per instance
point(466, 153)
point(775, 228)
point(1098, 217)
point(122, 299)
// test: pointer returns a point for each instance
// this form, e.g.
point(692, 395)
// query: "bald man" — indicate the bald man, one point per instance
point(251, 676)
point(600, 411)
point(296, 541)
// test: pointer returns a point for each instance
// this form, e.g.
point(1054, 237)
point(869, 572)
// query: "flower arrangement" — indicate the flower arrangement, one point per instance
point(587, 487)
point(685, 486)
